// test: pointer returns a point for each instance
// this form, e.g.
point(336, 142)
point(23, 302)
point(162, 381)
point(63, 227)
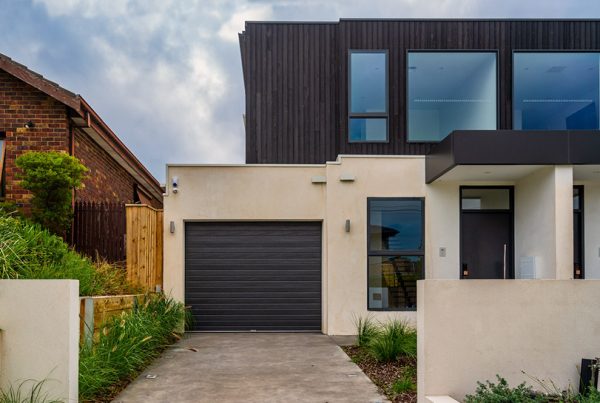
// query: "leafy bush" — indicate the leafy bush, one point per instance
point(127, 343)
point(396, 338)
point(51, 177)
point(502, 393)
point(366, 329)
point(30, 252)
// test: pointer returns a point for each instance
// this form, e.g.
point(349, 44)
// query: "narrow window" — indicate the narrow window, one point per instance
point(395, 252)
point(368, 97)
point(578, 233)
point(556, 90)
point(450, 91)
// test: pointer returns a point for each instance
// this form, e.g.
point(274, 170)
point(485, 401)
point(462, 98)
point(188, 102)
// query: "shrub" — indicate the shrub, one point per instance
point(404, 384)
point(366, 330)
point(51, 177)
point(30, 252)
point(502, 393)
point(127, 343)
point(396, 338)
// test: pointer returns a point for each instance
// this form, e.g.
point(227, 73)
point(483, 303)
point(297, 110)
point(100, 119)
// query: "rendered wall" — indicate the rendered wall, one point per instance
point(469, 331)
point(591, 218)
point(39, 335)
point(544, 222)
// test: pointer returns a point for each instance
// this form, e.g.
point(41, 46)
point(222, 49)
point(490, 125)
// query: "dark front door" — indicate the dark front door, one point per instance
point(486, 233)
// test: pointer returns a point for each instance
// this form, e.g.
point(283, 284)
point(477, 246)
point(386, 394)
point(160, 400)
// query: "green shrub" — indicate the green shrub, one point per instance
point(51, 177)
point(24, 393)
point(405, 384)
point(29, 252)
point(366, 330)
point(396, 339)
point(502, 393)
point(128, 343)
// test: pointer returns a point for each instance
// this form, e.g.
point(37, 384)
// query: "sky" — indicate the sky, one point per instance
point(166, 75)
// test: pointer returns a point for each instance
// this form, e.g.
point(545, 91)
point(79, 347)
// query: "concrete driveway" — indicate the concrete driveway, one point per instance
point(253, 367)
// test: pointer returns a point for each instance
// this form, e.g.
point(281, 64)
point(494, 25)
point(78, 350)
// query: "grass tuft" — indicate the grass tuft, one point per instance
point(24, 393)
point(367, 330)
point(396, 338)
point(127, 344)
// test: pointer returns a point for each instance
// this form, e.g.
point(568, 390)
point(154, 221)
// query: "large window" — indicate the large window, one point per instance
point(368, 97)
point(555, 91)
point(450, 91)
point(395, 248)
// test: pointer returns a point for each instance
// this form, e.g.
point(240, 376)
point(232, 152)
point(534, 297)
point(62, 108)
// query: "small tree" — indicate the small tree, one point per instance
point(51, 177)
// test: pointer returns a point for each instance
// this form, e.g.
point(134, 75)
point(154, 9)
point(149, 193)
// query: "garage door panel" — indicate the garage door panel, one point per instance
point(254, 275)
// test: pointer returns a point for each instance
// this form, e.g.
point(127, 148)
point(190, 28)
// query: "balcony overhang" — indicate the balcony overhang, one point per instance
point(512, 153)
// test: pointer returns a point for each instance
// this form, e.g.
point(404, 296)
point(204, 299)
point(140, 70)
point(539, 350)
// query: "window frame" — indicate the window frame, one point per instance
point(512, 79)
point(366, 115)
point(496, 53)
point(407, 252)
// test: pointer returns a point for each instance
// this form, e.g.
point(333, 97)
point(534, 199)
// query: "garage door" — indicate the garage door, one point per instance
point(254, 275)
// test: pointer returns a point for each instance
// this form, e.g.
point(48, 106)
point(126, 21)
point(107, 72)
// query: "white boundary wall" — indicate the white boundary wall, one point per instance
point(471, 330)
point(39, 335)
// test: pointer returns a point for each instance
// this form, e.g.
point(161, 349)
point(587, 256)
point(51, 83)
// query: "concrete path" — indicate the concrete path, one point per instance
point(253, 367)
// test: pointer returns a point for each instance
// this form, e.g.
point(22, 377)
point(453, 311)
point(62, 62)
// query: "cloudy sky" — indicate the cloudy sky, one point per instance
point(166, 75)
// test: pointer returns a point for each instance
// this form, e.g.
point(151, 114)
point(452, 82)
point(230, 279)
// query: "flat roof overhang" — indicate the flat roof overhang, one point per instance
point(511, 148)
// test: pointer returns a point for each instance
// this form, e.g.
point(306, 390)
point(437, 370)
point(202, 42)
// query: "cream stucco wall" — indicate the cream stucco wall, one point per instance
point(39, 335)
point(591, 216)
point(469, 331)
point(543, 218)
point(544, 222)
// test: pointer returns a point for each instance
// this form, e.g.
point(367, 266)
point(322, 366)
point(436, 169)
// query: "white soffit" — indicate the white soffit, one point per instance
point(586, 173)
point(488, 173)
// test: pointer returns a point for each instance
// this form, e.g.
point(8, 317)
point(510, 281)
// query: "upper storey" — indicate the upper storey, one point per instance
point(316, 90)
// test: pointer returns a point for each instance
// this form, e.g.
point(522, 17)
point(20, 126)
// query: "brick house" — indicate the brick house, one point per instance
point(37, 114)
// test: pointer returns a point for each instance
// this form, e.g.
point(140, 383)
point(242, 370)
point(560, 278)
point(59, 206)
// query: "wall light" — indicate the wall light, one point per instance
point(172, 227)
point(175, 182)
point(347, 226)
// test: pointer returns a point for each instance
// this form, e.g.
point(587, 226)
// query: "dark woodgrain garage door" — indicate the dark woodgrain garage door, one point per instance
point(254, 275)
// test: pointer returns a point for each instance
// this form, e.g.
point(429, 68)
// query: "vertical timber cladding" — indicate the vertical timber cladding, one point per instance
point(296, 77)
point(263, 276)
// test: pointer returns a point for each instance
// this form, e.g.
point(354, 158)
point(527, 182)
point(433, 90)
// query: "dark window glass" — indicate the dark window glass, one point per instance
point(393, 282)
point(368, 103)
point(368, 129)
point(485, 199)
point(396, 225)
point(556, 91)
point(2, 164)
point(396, 249)
point(450, 91)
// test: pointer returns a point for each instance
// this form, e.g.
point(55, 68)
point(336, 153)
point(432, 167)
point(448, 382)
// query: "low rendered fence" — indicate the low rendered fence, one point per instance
point(471, 330)
point(145, 246)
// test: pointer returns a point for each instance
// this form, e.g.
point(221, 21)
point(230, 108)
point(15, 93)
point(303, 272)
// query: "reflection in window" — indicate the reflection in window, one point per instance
point(485, 199)
point(450, 91)
point(395, 252)
point(368, 106)
point(556, 91)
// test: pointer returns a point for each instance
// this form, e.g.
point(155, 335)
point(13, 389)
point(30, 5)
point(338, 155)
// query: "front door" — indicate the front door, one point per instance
point(486, 233)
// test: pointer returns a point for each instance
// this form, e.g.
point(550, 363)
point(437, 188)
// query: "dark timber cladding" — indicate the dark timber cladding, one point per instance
point(296, 76)
point(253, 275)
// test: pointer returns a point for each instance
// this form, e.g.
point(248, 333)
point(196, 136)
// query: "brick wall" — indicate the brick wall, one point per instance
point(20, 103)
point(107, 180)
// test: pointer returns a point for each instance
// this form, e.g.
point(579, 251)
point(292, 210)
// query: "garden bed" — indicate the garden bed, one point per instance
point(390, 377)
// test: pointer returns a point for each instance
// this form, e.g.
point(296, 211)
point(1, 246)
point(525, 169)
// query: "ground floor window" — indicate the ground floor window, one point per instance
point(396, 252)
